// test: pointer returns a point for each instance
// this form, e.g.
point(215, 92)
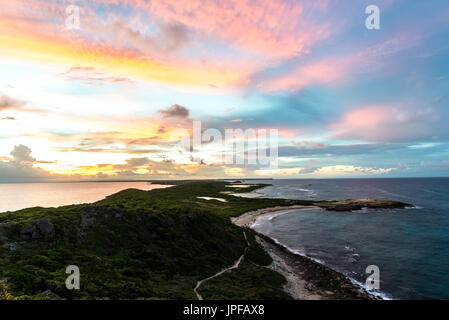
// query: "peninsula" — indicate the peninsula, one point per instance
point(181, 242)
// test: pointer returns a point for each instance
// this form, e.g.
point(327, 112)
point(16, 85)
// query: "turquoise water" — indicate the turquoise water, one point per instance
point(410, 246)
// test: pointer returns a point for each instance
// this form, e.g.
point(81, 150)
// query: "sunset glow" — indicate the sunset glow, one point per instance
point(107, 100)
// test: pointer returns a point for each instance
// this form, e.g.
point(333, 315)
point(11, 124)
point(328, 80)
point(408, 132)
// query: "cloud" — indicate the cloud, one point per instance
point(273, 28)
point(324, 171)
point(171, 37)
point(290, 113)
point(350, 170)
point(88, 75)
point(110, 53)
point(278, 172)
point(145, 168)
point(391, 123)
point(19, 172)
point(20, 167)
point(136, 162)
point(107, 150)
point(333, 70)
point(324, 72)
point(371, 150)
point(7, 102)
point(308, 145)
point(175, 111)
point(22, 153)
point(308, 170)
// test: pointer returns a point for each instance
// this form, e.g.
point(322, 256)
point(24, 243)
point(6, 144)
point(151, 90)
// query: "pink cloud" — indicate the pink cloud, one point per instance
point(275, 28)
point(364, 124)
point(365, 118)
point(340, 69)
point(308, 145)
point(88, 75)
point(320, 73)
point(385, 123)
point(255, 33)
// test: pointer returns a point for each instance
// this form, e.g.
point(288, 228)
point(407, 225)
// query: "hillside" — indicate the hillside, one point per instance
point(135, 245)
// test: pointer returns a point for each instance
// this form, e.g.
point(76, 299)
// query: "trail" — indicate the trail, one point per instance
point(234, 266)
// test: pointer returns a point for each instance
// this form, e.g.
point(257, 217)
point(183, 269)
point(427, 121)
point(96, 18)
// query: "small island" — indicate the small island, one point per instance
point(359, 204)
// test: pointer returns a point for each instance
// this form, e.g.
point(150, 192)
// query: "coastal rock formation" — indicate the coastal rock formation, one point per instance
point(47, 294)
point(310, 280)
point(359, 204)
point(38, 230)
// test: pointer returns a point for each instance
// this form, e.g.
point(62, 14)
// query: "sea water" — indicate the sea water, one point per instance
point(410, 246)
point(16, 196)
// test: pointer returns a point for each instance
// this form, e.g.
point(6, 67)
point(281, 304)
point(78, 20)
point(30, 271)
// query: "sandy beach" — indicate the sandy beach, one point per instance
point(306, 279)
point(249, 218)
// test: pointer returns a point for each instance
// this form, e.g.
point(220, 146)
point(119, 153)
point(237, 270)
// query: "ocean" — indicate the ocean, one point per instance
point(409, 246)
point(16, 196)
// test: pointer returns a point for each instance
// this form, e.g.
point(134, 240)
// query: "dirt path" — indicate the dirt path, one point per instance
point(234, 266)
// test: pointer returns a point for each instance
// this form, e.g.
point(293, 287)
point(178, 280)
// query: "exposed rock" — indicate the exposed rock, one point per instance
point(12, 246)
point(27, 232)
point(48, 294)
point(35, 234)
point(46, 228)
point(38, 230)
point(320, 281)
point(87, 220)
point(90, 215)
point(359, 204)
point(3, 239)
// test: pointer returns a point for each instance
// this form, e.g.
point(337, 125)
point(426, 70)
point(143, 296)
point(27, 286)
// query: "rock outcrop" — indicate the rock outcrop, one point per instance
point(47, 294)
point(359, 204)
point(40, 229)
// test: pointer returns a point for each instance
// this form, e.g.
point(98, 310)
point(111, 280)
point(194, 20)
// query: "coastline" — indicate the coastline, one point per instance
point(249, 218)
point(307, 279)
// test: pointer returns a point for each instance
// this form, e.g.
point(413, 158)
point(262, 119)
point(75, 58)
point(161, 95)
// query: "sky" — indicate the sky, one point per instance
point(114, 96)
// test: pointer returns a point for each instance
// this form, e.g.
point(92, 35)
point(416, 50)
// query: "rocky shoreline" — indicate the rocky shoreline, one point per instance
point(359, 204)
point(306, 278)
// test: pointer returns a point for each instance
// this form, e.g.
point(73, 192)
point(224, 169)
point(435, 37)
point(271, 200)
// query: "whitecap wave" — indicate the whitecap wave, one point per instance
point(414, 207)
point(363, 287)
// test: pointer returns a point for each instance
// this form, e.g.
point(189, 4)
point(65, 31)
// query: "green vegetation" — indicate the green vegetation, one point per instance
point(251, 280)
point(256, 253)
point(139, 245)
point(185, 196)
point(4, 291)
point(248, 281)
